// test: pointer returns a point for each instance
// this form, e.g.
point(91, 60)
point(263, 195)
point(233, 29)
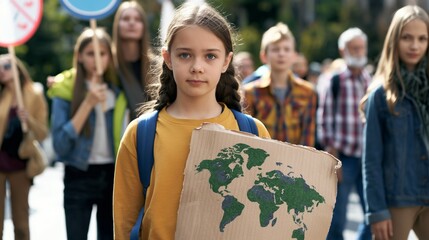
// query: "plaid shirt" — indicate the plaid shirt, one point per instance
point(292, 120)
point(340, 126)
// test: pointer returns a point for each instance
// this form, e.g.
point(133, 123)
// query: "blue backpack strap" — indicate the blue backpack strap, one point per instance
point(245, 122)
point(146, 129)
point(335, 88)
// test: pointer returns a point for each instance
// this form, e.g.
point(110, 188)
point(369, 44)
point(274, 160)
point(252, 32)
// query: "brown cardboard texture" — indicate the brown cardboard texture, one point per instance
point(240, 186)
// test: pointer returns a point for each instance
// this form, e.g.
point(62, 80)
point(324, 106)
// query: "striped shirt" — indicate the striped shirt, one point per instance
point(338, 122)
point(291, 120)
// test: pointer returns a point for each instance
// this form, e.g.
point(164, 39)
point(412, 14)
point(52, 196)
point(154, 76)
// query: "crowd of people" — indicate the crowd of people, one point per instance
point(377, 124)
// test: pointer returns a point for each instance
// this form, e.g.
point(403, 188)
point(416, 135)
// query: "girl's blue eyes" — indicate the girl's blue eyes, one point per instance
point(184, 55)
point(211, 56)
point(187, 55)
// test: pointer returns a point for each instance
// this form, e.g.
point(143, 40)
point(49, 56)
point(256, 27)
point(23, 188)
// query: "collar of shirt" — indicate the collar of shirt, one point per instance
point(265, 80)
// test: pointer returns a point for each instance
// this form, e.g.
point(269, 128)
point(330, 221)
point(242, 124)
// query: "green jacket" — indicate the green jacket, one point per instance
point(63, 88)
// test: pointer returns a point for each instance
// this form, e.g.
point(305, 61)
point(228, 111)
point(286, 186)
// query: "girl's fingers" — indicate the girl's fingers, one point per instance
point(96, 92)
point(390, 228)
point(382, 230)
point(22, 115)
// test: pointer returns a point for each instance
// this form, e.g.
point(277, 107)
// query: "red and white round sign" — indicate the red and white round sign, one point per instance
point(19, 20)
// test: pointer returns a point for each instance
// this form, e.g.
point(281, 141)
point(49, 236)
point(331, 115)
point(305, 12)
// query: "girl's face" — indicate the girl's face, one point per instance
point(5, 70)
point(413, 43)
point(197, 58)
point(87, 58)
point(131, 25)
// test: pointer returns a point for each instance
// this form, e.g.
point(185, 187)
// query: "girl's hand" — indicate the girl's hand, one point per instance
point(382, 230)
point(96, 93)
point(334, 152)
point(50, 80)
point(23, 115)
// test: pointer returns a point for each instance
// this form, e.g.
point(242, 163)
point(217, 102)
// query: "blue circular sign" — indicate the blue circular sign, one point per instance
point(90, 9)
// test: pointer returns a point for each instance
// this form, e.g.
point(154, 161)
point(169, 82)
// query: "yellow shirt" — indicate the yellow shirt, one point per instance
point(171, 149)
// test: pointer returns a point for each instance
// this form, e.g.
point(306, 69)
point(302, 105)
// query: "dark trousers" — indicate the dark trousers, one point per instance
point(352, 178)
point(83, 190)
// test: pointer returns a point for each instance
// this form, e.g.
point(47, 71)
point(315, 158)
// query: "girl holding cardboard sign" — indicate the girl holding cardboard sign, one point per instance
point(197, 85)
point(82, 129)
point(12, 166)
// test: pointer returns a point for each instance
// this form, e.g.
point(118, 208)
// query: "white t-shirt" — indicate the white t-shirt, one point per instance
point(101, 152)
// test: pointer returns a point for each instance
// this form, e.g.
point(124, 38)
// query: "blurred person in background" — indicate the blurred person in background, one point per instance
point(396, 133)
point(339, 127)
point(300, 66)
point(12, 166)
point(243, 62)
point(314, 70)
point(83, 127)
point(132, 56)
point(329, 69)
point(285, 103)
point(132, 53)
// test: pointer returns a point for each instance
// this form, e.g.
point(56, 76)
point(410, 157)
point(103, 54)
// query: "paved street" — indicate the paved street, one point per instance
point(47, 220)
point(47, 215)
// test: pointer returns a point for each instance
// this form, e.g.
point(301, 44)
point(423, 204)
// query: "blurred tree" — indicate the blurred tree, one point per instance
point(316, 25)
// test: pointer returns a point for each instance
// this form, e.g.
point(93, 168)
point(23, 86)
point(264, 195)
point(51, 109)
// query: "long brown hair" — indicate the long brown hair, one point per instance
point(145, 47)
point(202, 15)
point(388, 66)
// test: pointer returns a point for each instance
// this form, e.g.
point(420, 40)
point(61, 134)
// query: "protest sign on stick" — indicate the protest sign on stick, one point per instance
point(91, 10)
point(20, 20)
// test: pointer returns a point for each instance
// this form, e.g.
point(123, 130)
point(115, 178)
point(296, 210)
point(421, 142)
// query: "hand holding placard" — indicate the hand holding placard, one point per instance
point(20, 20)
point(92, 10)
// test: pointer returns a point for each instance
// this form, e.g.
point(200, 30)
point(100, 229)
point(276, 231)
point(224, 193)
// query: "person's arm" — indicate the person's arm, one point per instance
point(66, 129)
point(64, 135)
point(308, 131)
point(127, 191)
point(377, 213)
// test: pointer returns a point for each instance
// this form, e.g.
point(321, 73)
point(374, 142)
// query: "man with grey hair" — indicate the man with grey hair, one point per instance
point(339, 127)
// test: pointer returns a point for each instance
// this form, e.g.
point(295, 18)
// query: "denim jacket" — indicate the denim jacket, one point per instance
point(395, 159)
point(73, 148)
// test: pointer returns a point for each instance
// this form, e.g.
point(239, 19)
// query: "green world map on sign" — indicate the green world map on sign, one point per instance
point(270, 191)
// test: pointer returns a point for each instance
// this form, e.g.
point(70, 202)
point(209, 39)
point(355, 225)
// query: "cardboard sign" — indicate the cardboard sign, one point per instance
point(240, 186)
point(19, 20)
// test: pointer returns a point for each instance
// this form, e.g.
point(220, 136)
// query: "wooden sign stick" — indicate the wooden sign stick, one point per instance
point(96, 43)
point(18, 93)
